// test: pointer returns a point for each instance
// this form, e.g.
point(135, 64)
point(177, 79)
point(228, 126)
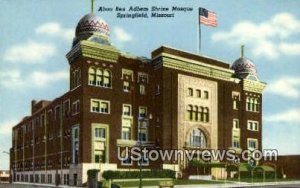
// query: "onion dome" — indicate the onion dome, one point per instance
point(244, 67)
point(92, 28)
point(91, 23)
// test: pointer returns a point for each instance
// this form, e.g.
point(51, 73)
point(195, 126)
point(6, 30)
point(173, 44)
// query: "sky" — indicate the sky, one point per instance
point(36, 35)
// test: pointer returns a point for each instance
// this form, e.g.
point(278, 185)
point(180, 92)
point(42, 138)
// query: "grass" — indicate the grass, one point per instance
point(156, 183)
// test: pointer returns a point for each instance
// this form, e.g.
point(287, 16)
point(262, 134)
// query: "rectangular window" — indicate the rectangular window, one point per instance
point(252, 143)
point(100, 106)
point(66, 108)
point(142, 89)
point(100, 132)
point(49, 178)
point(190, 92)
point(57, 112)
point(236, 142)
point(126, 133)
point(126, 110)
point(104, 107)
point(143, 112)
point(75, 144)
point(252, 125)
point(126, 86)
point(75, 107)
point(95, 106)
point(142, 136)
point(198, 93)
point(142, 77)
point(236, 124)
point(206, 95)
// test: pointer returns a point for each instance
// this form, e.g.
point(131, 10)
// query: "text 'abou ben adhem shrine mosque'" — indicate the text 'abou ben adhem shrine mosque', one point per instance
point(174, 100)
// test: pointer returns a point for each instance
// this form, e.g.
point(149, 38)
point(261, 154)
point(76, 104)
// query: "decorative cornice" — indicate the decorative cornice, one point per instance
point(92, 50)
point(196, 67)
point(253, 86)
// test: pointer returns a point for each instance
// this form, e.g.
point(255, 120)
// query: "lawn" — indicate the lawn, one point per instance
point(156, 182)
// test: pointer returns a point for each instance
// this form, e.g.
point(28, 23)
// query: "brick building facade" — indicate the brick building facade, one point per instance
point(173, 100)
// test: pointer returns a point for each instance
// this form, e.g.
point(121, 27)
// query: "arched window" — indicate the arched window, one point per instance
point(256, 105)
point(190, 112)
point(200, 114)
point(197, 138)
point(252, 104)
point(195, 113)
point(248, 104)
point(92, 76)
point(99, 77)
point(206, 115)
point(107, 78)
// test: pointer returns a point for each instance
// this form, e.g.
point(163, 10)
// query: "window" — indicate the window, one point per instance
point(127, 161)
point(143, 134)
point(49, 178)
point(252, 143)
point(100, 106)
point(143, 112)
point(126, 110)
point(57, 112)
point(190, 92)
point(206, 94)
point(144, 161)
point(252, 125)
point(104, 107)
point(206, 115)
point(95, 106)
point(142, 89)
point(107, 78)
point(126, 86)
point(235, 100)
point(142, 77)
point(126, 133)
point(197, 138)
point(99, 78)
point(100, 132)
point(127, 74)
point(236, 142)
point(75, 144)
point(75, 107)
point(252, 104)
point(198, 93)
point(92, 76)
point(66, 108)
point(157, 89)
point(236, 124)
point(189, 114)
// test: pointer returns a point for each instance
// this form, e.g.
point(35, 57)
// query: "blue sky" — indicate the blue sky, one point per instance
point(35, 36)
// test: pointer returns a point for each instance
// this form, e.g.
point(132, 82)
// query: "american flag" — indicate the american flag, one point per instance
point(207, 17)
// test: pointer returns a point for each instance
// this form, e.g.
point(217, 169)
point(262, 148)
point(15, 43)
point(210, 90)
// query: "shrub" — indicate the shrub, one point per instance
point(110, 174)
point(92, 173)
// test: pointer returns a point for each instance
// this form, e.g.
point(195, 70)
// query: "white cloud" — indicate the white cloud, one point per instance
point(31, 52)
point(14, 79)
point(6, 127)
point(121, 35)
point(289, 116)
point(56, 30)
point(285, 87)
point(265, 39)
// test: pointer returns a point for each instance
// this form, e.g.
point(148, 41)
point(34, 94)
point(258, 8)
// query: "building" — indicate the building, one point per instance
point(173, 100)
point(4, 176)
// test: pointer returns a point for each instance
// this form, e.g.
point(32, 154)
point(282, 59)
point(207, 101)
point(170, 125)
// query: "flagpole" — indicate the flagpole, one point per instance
point(199, 32)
